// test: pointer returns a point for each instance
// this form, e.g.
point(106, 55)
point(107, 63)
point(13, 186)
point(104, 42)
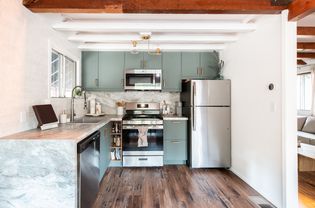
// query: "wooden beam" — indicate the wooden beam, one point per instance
point(301, 62)
point(306, 55)
point(299, 9)
point(306, 31)
point(156, 6)
point(306, 46)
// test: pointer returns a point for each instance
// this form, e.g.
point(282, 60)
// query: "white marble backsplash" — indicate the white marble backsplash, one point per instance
point(108, 99)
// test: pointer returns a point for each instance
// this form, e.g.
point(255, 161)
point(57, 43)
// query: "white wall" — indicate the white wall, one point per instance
point(252, 63)
point(24, 63)
point(289, 106)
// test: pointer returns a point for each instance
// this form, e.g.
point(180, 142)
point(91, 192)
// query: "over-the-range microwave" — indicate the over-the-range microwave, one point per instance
point(143, 79)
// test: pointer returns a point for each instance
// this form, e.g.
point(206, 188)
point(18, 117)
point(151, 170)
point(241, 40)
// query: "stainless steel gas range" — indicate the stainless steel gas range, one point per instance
point(142, 135)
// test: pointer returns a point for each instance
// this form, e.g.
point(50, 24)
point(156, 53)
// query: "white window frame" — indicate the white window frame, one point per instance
point(303, 112)
point(65, 53)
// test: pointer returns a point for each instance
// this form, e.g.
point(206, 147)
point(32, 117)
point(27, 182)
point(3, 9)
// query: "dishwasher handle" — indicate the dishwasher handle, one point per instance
point(84, 144)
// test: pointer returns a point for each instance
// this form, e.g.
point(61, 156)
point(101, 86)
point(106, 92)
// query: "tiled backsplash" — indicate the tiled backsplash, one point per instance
point(108, 99)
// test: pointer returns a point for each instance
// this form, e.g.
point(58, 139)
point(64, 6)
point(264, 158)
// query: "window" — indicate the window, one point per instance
point(304, 92)
point(63, 75)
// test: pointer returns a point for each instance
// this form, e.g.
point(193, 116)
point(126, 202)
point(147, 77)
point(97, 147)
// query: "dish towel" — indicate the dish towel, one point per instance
point(143, 136)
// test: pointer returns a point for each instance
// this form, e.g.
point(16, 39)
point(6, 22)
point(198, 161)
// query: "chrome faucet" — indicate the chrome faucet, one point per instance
point(82, 91)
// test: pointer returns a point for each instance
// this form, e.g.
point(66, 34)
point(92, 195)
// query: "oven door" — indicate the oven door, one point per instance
point(131, 136)
point(143, 79)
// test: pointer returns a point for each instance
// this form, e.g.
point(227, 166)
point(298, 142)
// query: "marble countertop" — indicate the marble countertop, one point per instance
point(68, 131)
point(174, 117)
point(73, 131)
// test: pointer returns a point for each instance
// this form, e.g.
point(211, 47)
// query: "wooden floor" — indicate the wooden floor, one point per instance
point(306, 189)
point(173, 186)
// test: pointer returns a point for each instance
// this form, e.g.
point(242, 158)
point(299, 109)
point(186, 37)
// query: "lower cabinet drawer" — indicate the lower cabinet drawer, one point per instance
point(142, 161)
point(175, 150)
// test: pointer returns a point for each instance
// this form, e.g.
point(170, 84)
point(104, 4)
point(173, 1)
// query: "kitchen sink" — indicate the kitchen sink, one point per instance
point(88, 120)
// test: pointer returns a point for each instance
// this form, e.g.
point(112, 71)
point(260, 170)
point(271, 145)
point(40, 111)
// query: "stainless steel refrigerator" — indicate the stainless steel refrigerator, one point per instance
point(207, 104)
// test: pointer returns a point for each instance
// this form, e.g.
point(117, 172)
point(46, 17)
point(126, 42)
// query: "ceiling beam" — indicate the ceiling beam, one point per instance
point(301, 62)
point(155, 26)
point(299, 9)
point(306, 55)
point(156, 38)
point(156, 6)
point(144, 47)
point(306, 46)
point(306, 31)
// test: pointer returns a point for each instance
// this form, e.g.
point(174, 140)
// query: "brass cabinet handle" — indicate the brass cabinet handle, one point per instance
point(175, 141)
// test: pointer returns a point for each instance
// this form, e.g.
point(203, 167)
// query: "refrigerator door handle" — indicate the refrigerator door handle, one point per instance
point(193, 102)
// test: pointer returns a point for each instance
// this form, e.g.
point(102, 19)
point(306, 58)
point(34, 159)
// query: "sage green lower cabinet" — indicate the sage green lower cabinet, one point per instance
point(175, 142)
point(171, 71)
point(105, 144)
point(90, 79)
point(111, 71)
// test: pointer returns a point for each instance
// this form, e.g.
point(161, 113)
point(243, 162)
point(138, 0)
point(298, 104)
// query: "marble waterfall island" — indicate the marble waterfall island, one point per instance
point(38, 173)
point(38, 169)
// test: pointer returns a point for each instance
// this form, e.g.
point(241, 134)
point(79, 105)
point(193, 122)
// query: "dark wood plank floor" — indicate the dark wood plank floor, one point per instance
point(306, 189)
point(173, 186)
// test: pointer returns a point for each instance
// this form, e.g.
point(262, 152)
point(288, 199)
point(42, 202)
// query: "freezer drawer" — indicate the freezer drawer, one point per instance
point(210, 139)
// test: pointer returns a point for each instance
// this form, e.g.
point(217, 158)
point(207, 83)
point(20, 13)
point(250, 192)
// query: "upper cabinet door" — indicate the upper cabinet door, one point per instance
point(90, 70)
point(111, 70)
point(133, 61)
point(190, 65)
point(209, 65)
point(171, 71)
point(152, 61)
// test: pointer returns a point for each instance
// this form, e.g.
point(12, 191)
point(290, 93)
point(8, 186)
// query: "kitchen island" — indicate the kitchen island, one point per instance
point(39, 168)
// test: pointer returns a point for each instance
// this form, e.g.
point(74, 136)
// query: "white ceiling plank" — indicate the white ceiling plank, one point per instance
point(144, 47)
point(156, 38)
point(155, 26)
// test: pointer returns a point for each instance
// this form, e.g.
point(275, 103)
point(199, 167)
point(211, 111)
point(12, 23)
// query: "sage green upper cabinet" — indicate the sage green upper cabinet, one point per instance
point(171, 71)
point(90, 70)
point(199, 65)
point(111, 71)
point(152, 61)
point(133, 61)
point(142, 60)
point(208, 65)
point(190, 65)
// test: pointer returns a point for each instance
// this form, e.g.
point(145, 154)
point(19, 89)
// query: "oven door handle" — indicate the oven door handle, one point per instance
point(140, 126)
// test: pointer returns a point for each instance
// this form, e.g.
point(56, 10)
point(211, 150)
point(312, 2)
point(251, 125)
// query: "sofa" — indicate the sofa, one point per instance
point(306, 130)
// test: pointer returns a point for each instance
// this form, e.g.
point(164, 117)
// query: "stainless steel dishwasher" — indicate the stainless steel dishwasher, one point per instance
point(89, 171)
